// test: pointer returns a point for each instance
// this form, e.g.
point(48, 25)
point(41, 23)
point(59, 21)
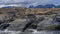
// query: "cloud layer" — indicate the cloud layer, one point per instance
point(30, 2)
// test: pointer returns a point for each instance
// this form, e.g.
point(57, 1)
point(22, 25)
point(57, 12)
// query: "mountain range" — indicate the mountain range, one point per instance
point(45, 6)
point(32, 6)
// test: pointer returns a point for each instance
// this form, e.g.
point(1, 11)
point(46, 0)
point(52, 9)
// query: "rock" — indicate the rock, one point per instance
point(45, 23)
point(4, 26)
point(17, 25)
point(56, 19)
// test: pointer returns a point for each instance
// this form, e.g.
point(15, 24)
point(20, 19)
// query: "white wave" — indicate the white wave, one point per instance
point(34, 31)
point(44, 32)
point(10, 32)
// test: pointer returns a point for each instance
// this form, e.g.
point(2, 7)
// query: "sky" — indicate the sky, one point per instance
point(30, 2)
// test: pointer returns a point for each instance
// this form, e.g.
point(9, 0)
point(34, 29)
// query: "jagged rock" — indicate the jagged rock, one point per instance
point(56, 19)
point(17, 25)
point(4, 26)
point(45, 23)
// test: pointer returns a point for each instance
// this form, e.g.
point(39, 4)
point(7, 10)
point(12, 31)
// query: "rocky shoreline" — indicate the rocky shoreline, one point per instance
point(18, 20)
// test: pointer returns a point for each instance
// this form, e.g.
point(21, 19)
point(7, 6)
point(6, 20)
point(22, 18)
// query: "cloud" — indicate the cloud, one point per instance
point(16, 1)
point(30, 2)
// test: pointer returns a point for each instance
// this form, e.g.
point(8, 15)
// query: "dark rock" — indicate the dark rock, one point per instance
point(4, 26)
point(57, 27)
point(27, 25)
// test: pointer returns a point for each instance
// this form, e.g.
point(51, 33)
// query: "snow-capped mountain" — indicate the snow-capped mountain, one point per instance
point(1, 6)
point(45, 6)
